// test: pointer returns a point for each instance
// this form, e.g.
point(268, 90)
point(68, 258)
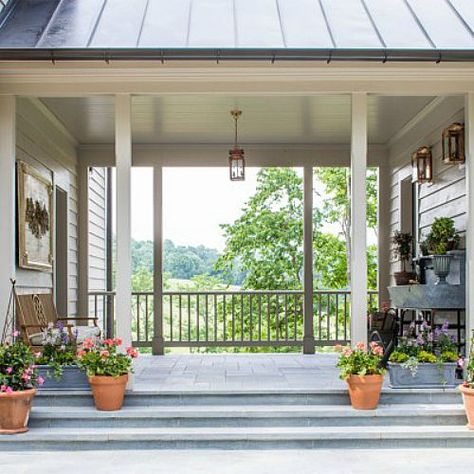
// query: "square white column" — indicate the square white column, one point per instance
point(7, 201)
point(359, 219)
point(469, 151)
point(123, 163)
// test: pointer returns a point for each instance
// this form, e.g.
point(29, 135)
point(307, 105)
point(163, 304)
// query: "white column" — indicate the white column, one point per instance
point(308, 340)
point(358, 219)
point(83, 244)
point(7, 201)
point(123, 163)
point(158, 341)
point(469, 135)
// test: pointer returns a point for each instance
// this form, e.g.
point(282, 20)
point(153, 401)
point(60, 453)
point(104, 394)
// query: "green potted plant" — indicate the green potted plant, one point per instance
point(467, 388)
point(362, 370)
point(107, 370)
point(18, 382)
point(441, 239)
point(428, 359)
point(402, 251)
point(57, 362)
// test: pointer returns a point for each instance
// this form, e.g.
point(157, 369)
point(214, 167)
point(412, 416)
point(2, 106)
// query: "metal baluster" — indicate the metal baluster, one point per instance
point(277, 317)
point(268, 317)
point(137, 296)
point(328, 322)
point(215, 317)
point(295, 317)
point(197, 316)
point(345, 317)
point(320, 316)
point(180, 318)
point(189, 317)
point(337, 316)
point(146, 317)
point(171, 317)
point(251, 318)
point(241, 317)
point(233, 316)
point(224, 317)
point(207, 318)
point(286, 316)
point(259, 316)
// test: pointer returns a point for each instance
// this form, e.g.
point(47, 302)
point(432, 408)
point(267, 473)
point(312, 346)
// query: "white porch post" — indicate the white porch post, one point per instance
point(469, 134)
point(123, 163)
point(7, 200)
point(158, 341)
point(308, 339)
point(358, 219)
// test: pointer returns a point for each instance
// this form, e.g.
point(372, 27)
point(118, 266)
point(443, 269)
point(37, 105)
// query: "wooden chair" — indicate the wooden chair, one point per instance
point(384, 327)
point(35, 311)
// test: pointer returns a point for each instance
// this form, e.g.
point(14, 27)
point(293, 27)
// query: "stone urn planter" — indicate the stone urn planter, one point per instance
point(441, 267)
point(108, 392)
point(426, 376)
point(364, 391)
point(468, 400)
point(15, 410)
point(73, 378)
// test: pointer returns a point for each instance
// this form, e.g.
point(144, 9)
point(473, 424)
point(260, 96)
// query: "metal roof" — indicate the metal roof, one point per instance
point(433, 30)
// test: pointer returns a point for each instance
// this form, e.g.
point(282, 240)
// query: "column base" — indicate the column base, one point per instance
point(308, 345)
point(158, 346)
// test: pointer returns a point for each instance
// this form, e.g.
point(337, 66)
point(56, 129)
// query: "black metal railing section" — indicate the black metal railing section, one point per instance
point(232, 318)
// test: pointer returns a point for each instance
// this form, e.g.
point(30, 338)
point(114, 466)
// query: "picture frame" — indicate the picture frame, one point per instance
point(35, 219)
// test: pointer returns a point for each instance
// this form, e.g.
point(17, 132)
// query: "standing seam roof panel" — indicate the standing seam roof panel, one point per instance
point(442, 24)
point(396, 24)
point(304, 24)
point(465, 9)
point(72, 25)
point(353, 29)
point(119, 24)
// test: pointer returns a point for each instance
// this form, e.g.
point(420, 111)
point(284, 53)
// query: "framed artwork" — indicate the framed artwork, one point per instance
point(35, 219)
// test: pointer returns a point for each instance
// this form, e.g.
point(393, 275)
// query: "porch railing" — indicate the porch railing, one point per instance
point(233, 318)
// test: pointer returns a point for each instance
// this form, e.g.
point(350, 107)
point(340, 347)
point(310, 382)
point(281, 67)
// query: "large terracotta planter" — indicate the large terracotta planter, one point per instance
point(15, 411)
point(468, 399)
point(364, 391)
point(108, 392)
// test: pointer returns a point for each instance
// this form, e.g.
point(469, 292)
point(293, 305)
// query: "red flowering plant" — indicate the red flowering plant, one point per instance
point(17, 367)
point(101, 357)
point(360, 360)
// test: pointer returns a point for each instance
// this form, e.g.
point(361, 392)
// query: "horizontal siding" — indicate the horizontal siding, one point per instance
point(445, 197)
point(97, 230)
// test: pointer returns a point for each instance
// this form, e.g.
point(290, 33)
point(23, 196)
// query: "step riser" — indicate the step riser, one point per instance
point(143, 400)
point(240, 444)
point(246, 422)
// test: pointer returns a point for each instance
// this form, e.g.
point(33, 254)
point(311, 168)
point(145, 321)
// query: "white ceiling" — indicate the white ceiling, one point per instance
point(206, 119)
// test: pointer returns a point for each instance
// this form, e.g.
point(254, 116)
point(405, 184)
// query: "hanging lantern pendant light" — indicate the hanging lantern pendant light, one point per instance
point(236, 154)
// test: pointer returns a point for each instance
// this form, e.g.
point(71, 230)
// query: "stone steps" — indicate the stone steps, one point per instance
point(249, 397)
point(240, 438)
point(248, 416)
point(245, 420)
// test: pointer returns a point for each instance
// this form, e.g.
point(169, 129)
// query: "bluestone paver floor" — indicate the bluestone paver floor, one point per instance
point(220, 372)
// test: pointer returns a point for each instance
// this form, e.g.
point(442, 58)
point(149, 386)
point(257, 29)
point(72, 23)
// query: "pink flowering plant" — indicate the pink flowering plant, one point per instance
point(102, 357)
point(361, 360)
point(17, 367)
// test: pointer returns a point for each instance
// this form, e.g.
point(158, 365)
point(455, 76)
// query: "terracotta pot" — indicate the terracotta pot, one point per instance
point(468, 399)
point(15, 411)
point(108, 392)
point(364, 391)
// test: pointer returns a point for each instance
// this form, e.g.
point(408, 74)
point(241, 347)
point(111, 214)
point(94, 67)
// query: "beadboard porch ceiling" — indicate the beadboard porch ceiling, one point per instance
point(204, 119)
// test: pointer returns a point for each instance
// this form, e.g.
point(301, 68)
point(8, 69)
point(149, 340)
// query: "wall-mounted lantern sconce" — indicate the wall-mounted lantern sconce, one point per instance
point(422, 165)
point(453, 144)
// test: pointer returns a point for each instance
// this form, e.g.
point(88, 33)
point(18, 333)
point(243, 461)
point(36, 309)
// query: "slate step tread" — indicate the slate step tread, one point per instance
point(261, 411)
point(62, 435)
